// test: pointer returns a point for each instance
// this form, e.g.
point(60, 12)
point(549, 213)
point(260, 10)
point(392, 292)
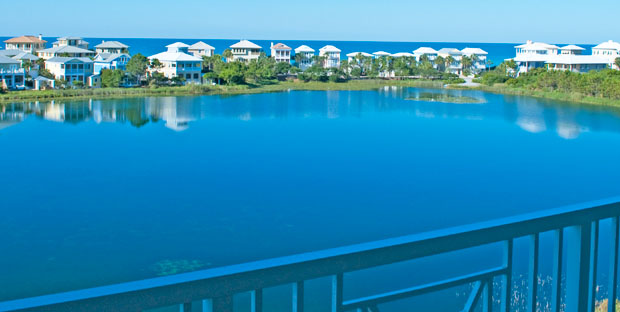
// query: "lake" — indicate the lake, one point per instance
point(106, 191)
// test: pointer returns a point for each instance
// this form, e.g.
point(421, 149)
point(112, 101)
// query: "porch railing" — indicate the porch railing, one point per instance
point(575, 226)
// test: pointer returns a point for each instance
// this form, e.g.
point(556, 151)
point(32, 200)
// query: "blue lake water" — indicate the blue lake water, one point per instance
point(105, 191)
point(498, 52)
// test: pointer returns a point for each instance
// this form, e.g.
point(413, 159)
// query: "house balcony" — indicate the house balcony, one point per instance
point(12, 71)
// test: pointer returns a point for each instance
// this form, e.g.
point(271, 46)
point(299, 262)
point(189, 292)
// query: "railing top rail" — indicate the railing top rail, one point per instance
point(277, 271)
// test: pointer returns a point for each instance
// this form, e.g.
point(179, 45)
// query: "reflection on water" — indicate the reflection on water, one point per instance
point(567, 120)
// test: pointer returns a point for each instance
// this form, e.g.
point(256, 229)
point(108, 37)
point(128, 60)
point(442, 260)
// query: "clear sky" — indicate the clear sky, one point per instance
point(557, 21)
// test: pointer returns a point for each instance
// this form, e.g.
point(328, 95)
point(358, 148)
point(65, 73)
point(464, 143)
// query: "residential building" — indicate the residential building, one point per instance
point(353, 55)
point(30, 44)
point(307, 56)
point(430, 53)
point(12, 76)
point(331, 56)
point(403, 54)
point(455, 66)
point(176, 62)
point(380, 54)
point(67, 47)
point(110, 61)
point(571, 49)
point(610, 50)
point(70, 69)
point(43, 83)
point(478, 58)
point(244, 50)
point(71, 41)
point(112, 47)
point(533, 55)
point(281, 53)
point(571, 59)
point(200, 49)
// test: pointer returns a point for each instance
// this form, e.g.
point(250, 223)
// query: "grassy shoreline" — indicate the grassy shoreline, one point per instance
point(23, 96)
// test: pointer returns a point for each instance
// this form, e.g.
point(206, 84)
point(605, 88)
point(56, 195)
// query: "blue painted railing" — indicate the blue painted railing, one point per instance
point(575, 226)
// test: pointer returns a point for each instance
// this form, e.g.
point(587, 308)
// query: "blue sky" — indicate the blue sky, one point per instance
point(558, 21)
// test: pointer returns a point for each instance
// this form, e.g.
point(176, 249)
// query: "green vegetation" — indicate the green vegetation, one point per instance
point(444, 98)
point(602, 306)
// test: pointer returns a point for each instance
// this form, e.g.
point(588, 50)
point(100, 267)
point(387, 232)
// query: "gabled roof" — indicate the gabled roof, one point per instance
point(381, 53)
point(59, 59)
point(537, 46)
point(8, 60)
point(402, 54)
point(69, 38)
point(280, 46)
point(609, 45)
point(201, 46)
point(572, 47)
point(109, 57)
point(329, 48)
point(354, 54)
point(41, 78)
point(245, 44)
point(304, 49)
point(25, 39)
point(451, 51)
point(65, 49)
point(177, 45)
point(425, 50)
point(175, 57)
point(111, 45)
point(471, 51)
point(25, 56)
point(10, 52)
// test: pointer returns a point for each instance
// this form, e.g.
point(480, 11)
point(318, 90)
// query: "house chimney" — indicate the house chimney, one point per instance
point(40, 37)
point(272, 44)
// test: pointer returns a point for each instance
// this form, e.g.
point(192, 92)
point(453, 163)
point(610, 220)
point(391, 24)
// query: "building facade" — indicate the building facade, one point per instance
point(244, 50)
point(200, 49)
point(70, 69)
point(12, 76)
point(533, 55)
point(281, 53)
point(609, 50)
point(306, 58)
point(110, 61)
point(176, 62)
point(112, 47)
point(29, 44)
point(67, 47)
point(330, 56)
point(478, 58)
point(454, 67)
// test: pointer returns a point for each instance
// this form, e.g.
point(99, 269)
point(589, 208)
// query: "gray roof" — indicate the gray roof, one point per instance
point(201, 46)
point(109, 57)
point(65, 49)
point(10, 52)
point(70, 38)
point(8, 60)
point(59, 59)
point(26, 56)
point(41, 78)
point(111, 45)
point(452, 51)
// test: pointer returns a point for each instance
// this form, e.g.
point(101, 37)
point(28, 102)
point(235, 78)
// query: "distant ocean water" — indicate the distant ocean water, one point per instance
point(498, 52)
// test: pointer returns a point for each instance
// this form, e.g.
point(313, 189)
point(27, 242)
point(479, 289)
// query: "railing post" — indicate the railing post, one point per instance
point(185, 307)
point(223, 304)
point(337, 290)
point(507, 278)
point(487, 296)
point(593, 266)
point(207, 305)
point(577, 267)
point(613, 266)
point(256, 301)
point(298, 296)
point(556, 278)
point(533, 272)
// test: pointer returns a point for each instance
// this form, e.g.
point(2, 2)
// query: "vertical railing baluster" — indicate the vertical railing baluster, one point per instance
point(223, 304)
point(487, 296)
point(507, 278)
point(185, 307)
point(207, 305)
point(556, 279)
point(593, 266)
point(256, 300)
point(613, 265)
point(337, 291)
point(298, 296)
point(533, 272)
point(577, 267)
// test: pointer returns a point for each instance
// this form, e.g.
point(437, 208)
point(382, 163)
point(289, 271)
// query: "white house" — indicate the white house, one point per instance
point(176, 62)
point(353, 55)
point(200, 49)
point(380, 54)
point(431, 54)
point(331, 55)
point(609, 50)
point(307, 56)
point(30, 44)
point(70, 69)
point(478, 57)
point(571, 59)
point(403, 54)
point(455, 66)
point(112, 47)
point(244, 50)
point(71, 41)
point(110, 61)
point(533, 55)
point(281, 53)
point(12, 76)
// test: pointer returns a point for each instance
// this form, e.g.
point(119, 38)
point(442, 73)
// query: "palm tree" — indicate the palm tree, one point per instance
point(227, 54)
point(449, 60)
point(299, 57)
point(466, 62)
point(440, 62)
point(617, 62)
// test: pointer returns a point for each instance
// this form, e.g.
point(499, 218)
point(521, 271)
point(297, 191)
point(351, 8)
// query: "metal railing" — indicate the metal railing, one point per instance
point(575, 226)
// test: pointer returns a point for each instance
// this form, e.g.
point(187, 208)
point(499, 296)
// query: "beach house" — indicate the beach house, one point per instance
point(306, 58)
point(12, 76)
point(67, 47)
point(112, 47)
point(478, 58)
point(571, 58)
point(454, 67)
point(281, 53)
point(30, 44)
point(70, 69)
point(429, 53)
point(330, 56)
point(352, 57)
point(177, 62)
point(532, 55)
point(609, 50)
point(200, 49)
point(110, 61)
point(244, 50)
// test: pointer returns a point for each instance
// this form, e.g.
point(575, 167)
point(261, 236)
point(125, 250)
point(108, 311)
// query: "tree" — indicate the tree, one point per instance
point(78, 84)
point(156, 64)
point(467, 64)
point(299, 57)
point(440, 62)
point(449, 60)
point(137, 66)
point(228, 55)
point(233, 73)
point(617, 62)
point(111, 78)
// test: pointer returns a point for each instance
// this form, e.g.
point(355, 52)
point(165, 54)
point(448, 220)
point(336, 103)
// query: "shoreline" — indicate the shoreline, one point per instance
point(353, 85)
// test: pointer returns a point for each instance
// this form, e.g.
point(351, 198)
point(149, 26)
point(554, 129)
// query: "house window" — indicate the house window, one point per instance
point(195, 76)
point(188, 76)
